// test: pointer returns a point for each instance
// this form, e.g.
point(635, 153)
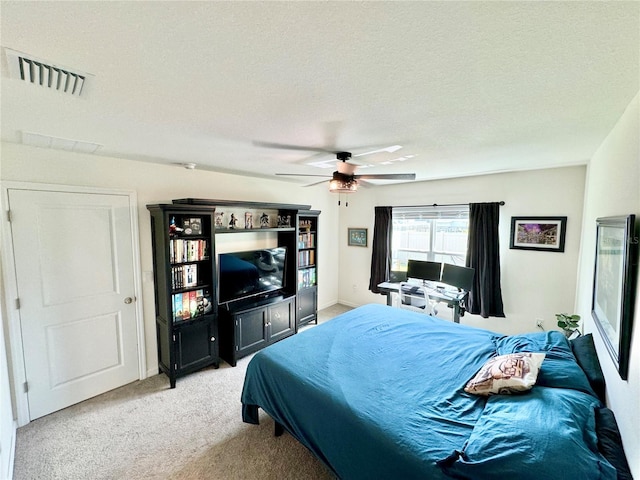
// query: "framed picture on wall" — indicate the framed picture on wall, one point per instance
point(538, 233)
point(357, 237)
point(614, 281)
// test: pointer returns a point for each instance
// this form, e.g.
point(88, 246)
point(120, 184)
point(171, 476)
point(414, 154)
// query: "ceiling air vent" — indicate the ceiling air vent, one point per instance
point(45, 74)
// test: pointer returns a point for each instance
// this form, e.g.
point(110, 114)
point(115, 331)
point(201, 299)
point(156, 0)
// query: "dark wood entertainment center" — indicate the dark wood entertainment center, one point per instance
point(195, 329)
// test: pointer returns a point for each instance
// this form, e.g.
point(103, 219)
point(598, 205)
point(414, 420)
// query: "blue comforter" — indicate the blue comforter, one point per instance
point(378, 393)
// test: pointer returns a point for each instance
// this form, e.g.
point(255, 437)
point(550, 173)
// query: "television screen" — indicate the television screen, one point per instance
point(245, 274)
point(456, 276)
point(424, 270)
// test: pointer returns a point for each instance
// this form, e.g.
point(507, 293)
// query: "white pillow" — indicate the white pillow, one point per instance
point(506, 374)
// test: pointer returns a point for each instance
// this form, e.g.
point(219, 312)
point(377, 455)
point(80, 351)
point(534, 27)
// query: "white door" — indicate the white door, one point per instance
point(75, 279)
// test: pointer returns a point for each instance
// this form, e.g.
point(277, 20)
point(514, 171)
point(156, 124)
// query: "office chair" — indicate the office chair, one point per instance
point(413, 297)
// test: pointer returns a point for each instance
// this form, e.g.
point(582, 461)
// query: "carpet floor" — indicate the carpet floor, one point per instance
point(145, 430)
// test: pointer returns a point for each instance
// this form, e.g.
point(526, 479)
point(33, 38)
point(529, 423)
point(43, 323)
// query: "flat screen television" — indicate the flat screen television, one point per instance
point(424, 270)
point(250, 273)
point(456, 276)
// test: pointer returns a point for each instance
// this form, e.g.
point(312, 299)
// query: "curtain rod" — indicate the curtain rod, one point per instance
point(442, 205)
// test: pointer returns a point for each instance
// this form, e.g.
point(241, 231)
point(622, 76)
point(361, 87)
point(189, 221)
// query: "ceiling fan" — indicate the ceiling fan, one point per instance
point(344, 179)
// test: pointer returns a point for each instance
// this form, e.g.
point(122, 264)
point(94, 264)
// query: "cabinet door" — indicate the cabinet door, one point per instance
point(196, 344)
point(250, 332)
point(281, 320)
point(307, 305)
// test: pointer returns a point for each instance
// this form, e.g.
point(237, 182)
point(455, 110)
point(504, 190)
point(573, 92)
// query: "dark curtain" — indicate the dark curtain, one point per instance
point(381, 248)
point(483, 254)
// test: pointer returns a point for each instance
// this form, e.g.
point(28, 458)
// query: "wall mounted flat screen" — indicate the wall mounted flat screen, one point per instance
point(424, 270)
point(456, 276)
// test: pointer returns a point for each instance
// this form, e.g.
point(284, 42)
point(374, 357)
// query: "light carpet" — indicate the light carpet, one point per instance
point(145, 430)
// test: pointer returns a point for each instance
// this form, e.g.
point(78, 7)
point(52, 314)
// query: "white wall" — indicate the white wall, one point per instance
point(160, 184)
point(612, 189)
point(534, 284)
point(7, 423)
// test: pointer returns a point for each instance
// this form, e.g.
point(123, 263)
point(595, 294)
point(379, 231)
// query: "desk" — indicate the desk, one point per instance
point(452, 299)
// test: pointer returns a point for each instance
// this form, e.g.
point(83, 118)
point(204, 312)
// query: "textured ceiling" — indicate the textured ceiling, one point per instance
point(467, 87)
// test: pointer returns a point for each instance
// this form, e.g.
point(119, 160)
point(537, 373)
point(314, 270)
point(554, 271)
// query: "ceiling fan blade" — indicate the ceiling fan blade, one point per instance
point(285, 146)
point(387, 176)
point(391, 149)
point(315, 183)
point(302, 175)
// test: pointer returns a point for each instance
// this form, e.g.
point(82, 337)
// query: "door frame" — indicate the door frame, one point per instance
point(16, 353)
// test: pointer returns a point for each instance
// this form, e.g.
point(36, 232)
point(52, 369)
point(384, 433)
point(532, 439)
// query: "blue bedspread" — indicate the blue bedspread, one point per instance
point(378, 393)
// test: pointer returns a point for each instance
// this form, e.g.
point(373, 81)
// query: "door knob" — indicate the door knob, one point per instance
point(128, 300)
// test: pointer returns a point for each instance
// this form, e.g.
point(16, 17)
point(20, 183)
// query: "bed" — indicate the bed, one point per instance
point(378, 392)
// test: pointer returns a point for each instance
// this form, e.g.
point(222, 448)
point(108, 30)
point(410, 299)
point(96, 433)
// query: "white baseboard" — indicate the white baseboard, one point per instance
point(8, 475)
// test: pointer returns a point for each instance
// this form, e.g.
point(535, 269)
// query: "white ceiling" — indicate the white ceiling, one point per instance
point(467, 87)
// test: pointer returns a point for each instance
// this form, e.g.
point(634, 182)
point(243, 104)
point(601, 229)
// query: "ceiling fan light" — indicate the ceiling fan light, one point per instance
point(341, 186)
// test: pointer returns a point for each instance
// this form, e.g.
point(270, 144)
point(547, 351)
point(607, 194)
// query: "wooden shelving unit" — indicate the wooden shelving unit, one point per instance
point(185, 288)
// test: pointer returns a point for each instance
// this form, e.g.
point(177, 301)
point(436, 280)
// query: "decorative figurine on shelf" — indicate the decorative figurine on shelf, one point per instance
point(264, 221)
point(284, 220)
point(233, 223)
point(219, 219)
point(173, 228)
point(248, 220)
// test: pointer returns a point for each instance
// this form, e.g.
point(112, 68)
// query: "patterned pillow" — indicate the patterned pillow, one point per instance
point(506, 374)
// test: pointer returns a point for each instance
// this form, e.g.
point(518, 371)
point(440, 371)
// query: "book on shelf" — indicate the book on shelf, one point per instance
point(192, 304)
point(182, 250)
point(186, 313)
point(184, 276)
point(306, 240)
point(177, 308)
point(306, 258)
point(190, 275)
point(307, 277)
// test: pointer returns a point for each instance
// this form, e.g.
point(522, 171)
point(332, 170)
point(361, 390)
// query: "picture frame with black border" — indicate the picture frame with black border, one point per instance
point(357, 237)
point(614, 286)
point(538, 233)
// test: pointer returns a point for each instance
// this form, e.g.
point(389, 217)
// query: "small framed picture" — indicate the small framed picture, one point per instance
point(248, 220)
point(538, 233)
point(196, 226)
point(357, 237)
point(264, 221)
point(192, 226)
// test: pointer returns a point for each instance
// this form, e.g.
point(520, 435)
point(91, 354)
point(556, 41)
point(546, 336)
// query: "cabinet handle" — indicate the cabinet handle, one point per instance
point(213, 339)
point(128, 300)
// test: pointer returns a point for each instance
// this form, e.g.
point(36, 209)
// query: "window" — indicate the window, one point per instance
point(437, 234)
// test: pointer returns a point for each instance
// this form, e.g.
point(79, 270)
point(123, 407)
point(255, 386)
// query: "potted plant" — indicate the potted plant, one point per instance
point(568, 323)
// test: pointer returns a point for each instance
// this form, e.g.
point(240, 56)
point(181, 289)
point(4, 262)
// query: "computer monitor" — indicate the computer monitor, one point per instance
point(456, 276)
point(424, 270)
point(397, 276)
